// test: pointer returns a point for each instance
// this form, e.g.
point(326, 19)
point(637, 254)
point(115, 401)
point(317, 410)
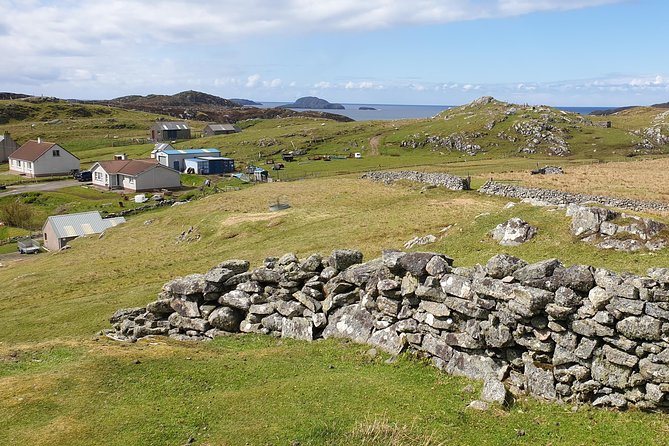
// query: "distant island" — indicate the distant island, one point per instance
point(367, 108)
point(245, 102)
point(312, 102)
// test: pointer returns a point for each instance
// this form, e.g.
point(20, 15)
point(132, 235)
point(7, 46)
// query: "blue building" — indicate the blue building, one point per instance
point(176, 158)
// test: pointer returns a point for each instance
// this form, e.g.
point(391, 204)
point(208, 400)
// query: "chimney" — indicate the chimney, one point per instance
point(39, 140)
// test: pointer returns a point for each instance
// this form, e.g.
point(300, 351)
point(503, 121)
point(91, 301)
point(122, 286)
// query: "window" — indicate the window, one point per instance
point(56, 152)
point(98, 176)
point(45, 236)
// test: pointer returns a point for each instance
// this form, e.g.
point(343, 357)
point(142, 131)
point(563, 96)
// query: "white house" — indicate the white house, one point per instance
point(60, 229)
point(176, 158)
point(134, 175)
point(160, 147)
point(37, 158)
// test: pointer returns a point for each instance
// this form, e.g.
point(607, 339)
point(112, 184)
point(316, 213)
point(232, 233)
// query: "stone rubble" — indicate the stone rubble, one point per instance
point(576, 334)
point(556, 197)
point(434, 179)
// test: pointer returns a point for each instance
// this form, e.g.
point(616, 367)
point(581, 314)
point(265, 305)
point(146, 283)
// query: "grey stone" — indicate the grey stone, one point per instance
point(437, 346)
point(160, 307)
point(610, 374)
point(290, 309)
point(334, 301)
point(218, 275)
point(437, 266)
point(654, 372)
point(225, 318)
point(587, 220)
point(656, 309)
point(577, 277)
point(409, 284)
point(416, 262)
point(437, 309)
point(185, 308)
point(620, 307)
point(585, 348)
point(619, 357)
point(479, 405)
point(514, 232)
point(539, 382)
point(588, 327)
point(456, 286)
point(266, 275)
point(236, 299)
point(360, 274)
point(503, 265)
point(387, 340)
point(235, 265)
point(308, 301)
point(273, 322)
point(613, 400)
point(493, 391)
point(471, 366)
point(299, 328)
point(644, 328)
point(350, 322)
point(538, 270)
point(340, 259)
point(313, 263)
point(262, 309)
point(186, 286)
point(599, 297)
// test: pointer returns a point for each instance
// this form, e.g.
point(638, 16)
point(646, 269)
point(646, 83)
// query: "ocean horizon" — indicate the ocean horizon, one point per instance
point(387, 112)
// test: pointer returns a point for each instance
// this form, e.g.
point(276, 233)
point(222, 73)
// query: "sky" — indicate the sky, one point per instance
point(433, 52)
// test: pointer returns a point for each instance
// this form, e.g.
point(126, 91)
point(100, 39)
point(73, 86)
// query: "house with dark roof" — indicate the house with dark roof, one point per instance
point(38, 159)
point(7, 147)
point(170, 131)
point(60, 229)
point(220, 129)
point(134, 175)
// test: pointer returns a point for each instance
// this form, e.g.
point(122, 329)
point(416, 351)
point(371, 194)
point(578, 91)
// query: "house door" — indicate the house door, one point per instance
point(176, 165)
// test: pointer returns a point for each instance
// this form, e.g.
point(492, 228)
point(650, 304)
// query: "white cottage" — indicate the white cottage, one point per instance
point(38, 159)
point(134, 175)
point(60, 229)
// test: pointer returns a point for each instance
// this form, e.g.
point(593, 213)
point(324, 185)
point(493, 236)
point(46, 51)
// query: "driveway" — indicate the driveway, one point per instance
point(41, 187)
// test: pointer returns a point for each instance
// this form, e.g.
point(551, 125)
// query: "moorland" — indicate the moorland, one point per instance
point(61, 382)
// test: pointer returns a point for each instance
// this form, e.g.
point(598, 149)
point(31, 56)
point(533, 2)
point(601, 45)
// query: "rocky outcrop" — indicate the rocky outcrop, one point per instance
point(433, 179)
point(557, 197)
point(513, 232)
point(614, 230)
point(577, 333)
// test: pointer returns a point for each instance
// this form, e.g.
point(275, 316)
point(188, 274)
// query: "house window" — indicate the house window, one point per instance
point(98, 176)
point(131, 180)
point(17, 163)
point(56, 152)
point(45, 236)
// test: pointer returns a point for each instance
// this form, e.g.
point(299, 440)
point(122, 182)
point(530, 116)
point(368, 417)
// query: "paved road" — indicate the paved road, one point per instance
point(43, 186)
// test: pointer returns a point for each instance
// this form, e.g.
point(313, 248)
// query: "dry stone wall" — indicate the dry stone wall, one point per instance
point(574, 333)
point(556, 197)
point(434, 179)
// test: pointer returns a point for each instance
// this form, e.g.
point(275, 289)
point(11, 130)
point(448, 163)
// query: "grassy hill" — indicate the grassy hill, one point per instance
point(62, 384)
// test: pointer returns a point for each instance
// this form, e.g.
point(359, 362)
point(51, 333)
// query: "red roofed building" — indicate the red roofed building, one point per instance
point(134, 175)
point(39, 159)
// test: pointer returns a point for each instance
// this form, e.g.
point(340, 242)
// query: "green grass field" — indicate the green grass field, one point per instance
point(61, 384)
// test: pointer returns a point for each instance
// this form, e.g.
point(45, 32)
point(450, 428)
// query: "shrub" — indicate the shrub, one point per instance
point(18, 214)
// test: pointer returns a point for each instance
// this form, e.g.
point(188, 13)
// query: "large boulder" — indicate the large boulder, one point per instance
point(225, 318)
point(350, 322)
point(514, 232)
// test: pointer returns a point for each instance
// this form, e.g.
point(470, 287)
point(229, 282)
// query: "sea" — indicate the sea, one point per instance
point(387, 112)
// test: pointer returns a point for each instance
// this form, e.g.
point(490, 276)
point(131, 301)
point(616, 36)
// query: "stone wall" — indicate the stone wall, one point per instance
point(557, 197)
point(577, 333)
point(434, 179)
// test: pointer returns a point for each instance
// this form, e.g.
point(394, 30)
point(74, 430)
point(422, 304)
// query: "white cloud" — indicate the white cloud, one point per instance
point(323, 85)
point(253, 81)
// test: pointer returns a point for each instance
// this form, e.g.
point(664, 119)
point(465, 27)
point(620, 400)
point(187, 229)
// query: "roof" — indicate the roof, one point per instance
point(83, 223)
point(162, 146)
point(214, 158)
point(223, 127)
point(195, 160)
point(172, 126)
point(191, 151)
point(128, 167)
point(32, 150)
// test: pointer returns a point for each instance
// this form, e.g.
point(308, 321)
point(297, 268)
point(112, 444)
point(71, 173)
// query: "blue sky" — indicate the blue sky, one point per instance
point(447, 52)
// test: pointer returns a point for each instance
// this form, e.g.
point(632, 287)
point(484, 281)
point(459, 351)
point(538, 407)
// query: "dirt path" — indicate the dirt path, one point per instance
point(374, 145)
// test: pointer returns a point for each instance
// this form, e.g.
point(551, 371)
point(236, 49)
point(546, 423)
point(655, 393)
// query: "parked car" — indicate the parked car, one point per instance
point(85, 176)
point(28, 246)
